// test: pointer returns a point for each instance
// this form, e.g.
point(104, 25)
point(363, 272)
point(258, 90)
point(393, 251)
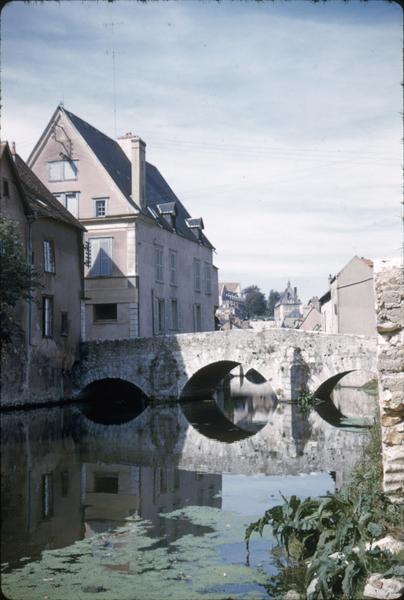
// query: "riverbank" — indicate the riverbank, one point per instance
point(333, 547)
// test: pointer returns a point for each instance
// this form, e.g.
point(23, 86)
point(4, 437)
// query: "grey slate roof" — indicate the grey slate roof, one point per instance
point(118, 166)
point(39, 199)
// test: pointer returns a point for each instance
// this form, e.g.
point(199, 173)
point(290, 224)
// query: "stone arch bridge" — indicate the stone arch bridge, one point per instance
point(171, 367)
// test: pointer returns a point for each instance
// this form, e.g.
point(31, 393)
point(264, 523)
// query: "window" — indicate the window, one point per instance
point(173, 267)
point(62, 170)
point(106, 484)
point(174, 314)
point(100, 257)
point(208, 279)
point(47, 316)
point(100, 207)
point(64, 483)
point(49, 257)
point(161, 315)
point(105, 312)
point(47, 495)
point(158, 258)
point(64, 323)
point(6, 188)
point(197, 317)
point(70, 200)
point(197, 275)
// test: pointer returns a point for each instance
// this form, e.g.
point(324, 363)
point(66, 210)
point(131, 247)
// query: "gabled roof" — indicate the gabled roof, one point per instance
point(118, 167)
point(39, 199)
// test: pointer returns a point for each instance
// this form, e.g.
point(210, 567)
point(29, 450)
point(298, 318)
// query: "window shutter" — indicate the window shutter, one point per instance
point(106, 256)
point(95, 256)
point(179, 316)
point(155, 314)
point(167, 315)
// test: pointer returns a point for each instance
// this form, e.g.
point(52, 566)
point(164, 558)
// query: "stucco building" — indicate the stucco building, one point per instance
point(349, 304)
point(51, 323)
point(287, 312)
point(149, 267)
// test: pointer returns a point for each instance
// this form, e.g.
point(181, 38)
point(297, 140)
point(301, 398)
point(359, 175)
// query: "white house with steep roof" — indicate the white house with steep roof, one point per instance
point(149, 266)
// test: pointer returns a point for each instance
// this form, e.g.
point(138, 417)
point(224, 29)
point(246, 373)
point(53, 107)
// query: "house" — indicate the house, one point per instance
point(311, 318)
point(149, 267)
point(349, 304)
point(231, 299)
point(287, 312)
point(51, 322)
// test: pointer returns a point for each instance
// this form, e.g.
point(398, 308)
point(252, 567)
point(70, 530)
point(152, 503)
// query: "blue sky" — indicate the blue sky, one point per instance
point(278, 122)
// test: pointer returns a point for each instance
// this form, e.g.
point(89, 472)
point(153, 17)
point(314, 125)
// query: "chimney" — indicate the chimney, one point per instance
point(135, 149)
point(13, 150)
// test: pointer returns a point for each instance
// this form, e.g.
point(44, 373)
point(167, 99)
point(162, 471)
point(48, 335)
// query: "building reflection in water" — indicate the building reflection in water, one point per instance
point(66, 477)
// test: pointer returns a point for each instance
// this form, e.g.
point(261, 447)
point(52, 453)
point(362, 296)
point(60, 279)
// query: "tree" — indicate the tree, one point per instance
point(273, 298)
point(17, 278)
point(254, 301)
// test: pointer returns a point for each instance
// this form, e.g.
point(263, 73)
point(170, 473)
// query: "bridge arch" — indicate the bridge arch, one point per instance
point(203, 382)
point(331, 411)
point(112, 401)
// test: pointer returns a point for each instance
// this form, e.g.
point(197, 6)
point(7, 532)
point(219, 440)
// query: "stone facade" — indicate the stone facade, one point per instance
point(168, 367)
point(33, 368)
point(389, 293)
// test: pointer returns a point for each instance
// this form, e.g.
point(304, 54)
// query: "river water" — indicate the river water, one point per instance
point(151, 502)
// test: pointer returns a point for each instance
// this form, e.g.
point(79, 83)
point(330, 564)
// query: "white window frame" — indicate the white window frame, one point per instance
point(49, 264)
point(173, 267)
point(105, 201)
point(62, 174)
point(104, 266)
point(63, 198)
point(159, 263)
point(197, 275)
point(208, 278)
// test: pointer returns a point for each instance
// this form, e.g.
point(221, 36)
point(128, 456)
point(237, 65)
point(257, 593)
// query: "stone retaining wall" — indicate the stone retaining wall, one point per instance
point(389, 294)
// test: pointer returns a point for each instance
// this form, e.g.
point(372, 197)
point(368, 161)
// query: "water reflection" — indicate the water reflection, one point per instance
point(112, 401)
point(239, 408)
point(68, 476)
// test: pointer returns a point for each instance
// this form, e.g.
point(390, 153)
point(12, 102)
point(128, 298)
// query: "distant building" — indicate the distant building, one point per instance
point(287, 312)
point(230, 297)
point(349, 304)
point(149, 265)
point(51, 323)
point(311, 317)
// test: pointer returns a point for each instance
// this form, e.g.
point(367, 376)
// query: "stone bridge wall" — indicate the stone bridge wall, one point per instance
point(288, 359)
point(389, 292)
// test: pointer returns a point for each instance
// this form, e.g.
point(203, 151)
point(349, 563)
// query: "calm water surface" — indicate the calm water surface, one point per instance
point(154, 504)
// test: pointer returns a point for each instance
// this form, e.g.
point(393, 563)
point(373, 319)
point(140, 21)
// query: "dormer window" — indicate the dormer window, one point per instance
point(196, 226)
point(168, 210)
point(62, 170)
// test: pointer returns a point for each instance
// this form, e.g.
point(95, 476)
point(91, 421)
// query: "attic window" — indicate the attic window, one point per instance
point(6, 188)
point(196, 226)
point(62, 170)
point(168, 210)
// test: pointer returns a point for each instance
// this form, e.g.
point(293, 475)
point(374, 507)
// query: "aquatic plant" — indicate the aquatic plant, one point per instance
point(307, 401)
point(333, 536)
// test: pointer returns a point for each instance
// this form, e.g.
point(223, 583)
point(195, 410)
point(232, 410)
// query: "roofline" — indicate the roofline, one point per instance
point(27, 209)
point(31, 158)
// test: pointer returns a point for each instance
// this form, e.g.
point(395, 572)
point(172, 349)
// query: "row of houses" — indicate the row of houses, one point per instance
point(348, 306)
point(120, 255)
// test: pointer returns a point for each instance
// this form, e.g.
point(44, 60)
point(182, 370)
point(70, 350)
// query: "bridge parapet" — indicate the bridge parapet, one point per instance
point(163, 366)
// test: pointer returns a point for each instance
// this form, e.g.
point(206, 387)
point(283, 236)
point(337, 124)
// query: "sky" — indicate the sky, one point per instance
point(279, 122)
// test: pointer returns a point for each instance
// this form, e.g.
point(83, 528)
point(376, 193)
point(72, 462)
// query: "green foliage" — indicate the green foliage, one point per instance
point(254, 301)
point(17, 278)
point(335, 533)
point(273, 298)
point(306, 402)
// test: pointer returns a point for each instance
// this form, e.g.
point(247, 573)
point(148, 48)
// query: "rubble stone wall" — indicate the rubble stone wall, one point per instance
point(389, 294)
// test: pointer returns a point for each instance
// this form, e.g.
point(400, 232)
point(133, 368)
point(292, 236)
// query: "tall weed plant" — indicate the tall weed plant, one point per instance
point(332, 536)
